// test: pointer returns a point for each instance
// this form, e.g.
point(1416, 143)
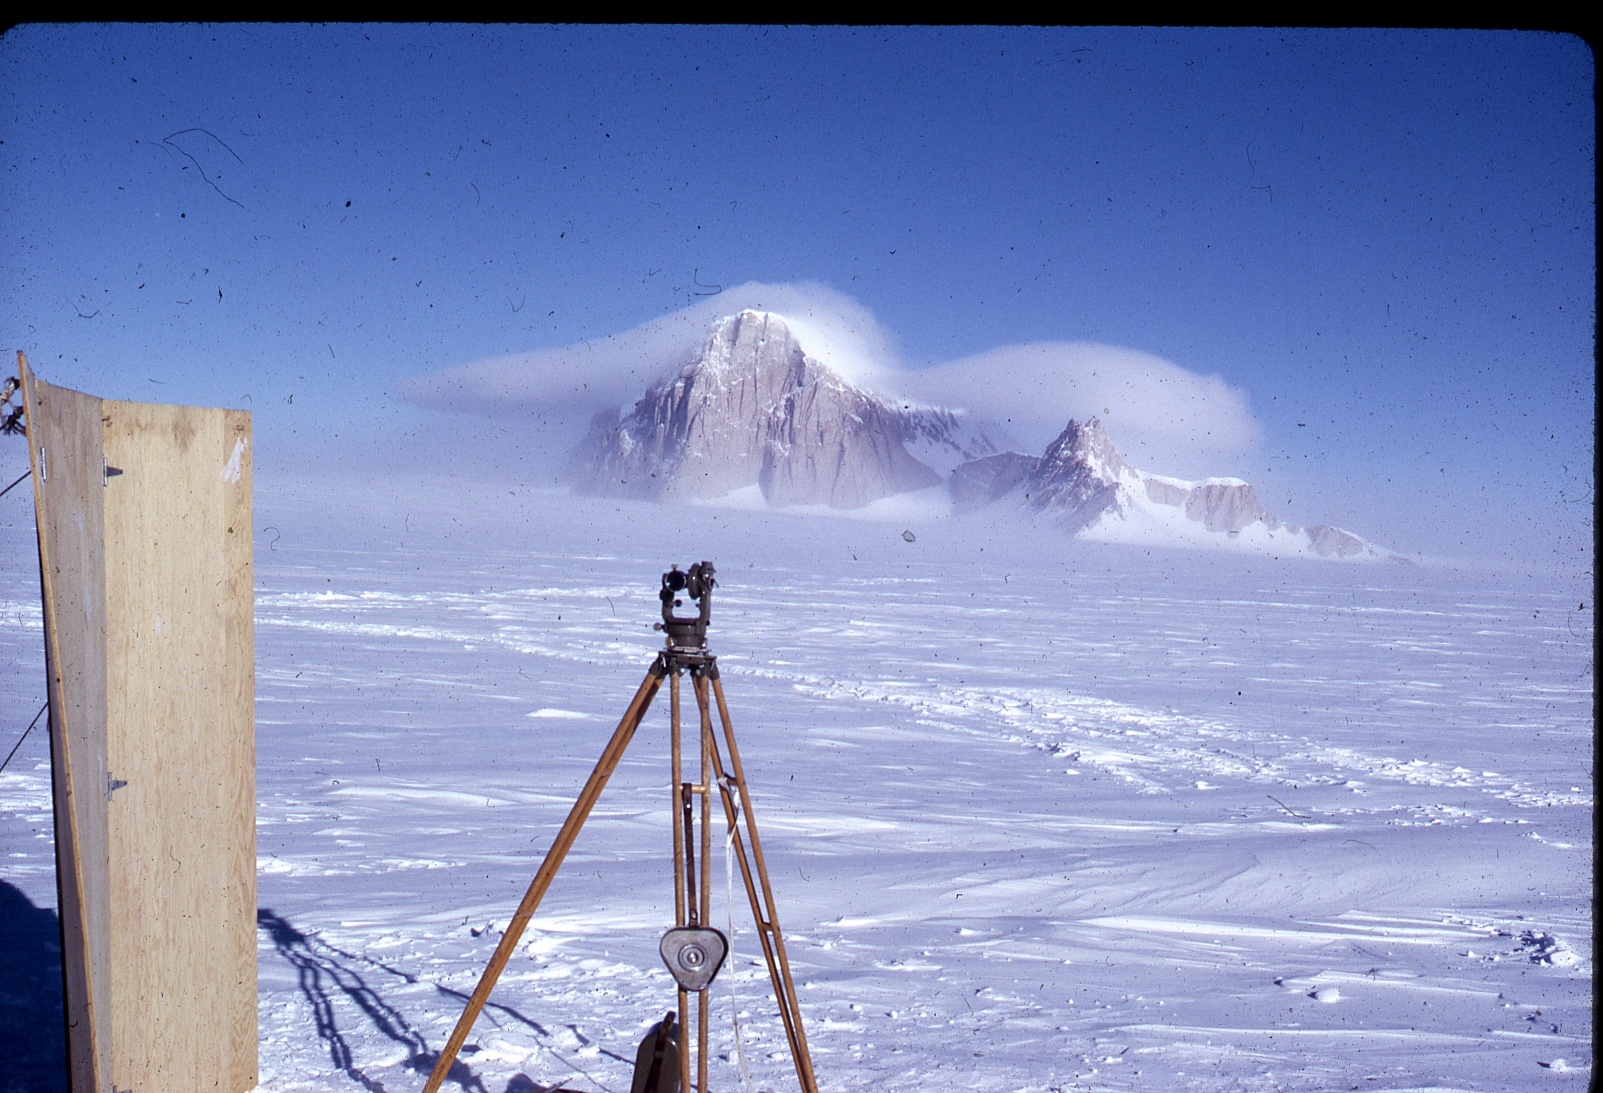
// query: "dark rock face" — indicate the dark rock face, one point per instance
point(826, 442)
point(979, 482)
point(754, 409)
point(1081, 477)
point(1224, 506)
point(1167, 493)
point(1076, 480)
point(1078, 477)
point(1327, 540)
point(699, 434)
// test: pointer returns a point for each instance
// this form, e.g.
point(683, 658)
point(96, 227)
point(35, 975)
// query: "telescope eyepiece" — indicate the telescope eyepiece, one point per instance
point(697, 584)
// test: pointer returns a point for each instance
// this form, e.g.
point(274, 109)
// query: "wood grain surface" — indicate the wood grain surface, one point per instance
point(179, 641)
point(64, 432)
point(146, 566)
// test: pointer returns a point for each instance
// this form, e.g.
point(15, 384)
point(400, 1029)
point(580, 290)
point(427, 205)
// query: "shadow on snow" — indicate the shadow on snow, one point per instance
point(327, 973)
point(33, 1036)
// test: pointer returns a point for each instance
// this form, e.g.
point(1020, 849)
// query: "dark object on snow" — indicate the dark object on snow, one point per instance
point(657, 1061)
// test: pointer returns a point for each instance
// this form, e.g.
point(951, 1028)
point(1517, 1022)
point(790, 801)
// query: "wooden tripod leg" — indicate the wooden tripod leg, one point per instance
point(758, 914)
point(548, 869)
point(773, 941)
point(704, 998)
point(680, 835)
point(731, 813)
point(764, 938)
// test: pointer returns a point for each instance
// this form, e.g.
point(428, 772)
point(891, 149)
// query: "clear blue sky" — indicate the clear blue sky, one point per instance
point(1386, 239)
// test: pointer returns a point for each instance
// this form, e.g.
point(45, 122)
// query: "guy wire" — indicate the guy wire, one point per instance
point(25, 733)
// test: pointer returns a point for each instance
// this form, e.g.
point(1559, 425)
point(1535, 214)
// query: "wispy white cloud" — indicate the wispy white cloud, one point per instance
point(1154, 408)
point(1151, 406)
point(572, 382)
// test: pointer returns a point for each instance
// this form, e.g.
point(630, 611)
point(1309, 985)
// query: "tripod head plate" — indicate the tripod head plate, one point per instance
point(693, 955)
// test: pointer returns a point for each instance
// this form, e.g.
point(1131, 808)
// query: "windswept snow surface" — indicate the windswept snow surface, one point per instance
point(1040, 814)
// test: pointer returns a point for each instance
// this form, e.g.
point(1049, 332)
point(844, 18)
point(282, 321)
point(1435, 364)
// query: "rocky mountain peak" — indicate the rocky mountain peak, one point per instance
point(1086, 447)
point(752, 346)
point(1083, 484)
point(753, 408)
point(1078, 476)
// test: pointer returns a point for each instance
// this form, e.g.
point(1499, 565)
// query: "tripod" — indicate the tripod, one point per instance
point(692, 950)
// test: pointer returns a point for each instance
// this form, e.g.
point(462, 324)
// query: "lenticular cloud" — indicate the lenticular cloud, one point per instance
point(574, 381)
point(1156, 407)
point(1150, 403)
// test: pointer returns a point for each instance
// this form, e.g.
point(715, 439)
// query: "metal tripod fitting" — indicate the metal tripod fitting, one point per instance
point(685, 652)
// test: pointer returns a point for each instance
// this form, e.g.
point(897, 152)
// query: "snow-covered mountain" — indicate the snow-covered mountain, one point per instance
point(755, 411)
point(1084, 485)
point(753, 408)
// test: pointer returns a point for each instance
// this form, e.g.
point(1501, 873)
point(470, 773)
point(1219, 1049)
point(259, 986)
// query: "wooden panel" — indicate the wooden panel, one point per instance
point(181, 732)
point(64, 433)
point(148, 602)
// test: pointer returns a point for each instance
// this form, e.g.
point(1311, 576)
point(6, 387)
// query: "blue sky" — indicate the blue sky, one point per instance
point(1383, 240)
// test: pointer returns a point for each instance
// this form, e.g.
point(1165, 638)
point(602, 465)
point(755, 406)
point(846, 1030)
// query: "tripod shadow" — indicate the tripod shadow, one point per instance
point(33, 1037)
point(327, 972)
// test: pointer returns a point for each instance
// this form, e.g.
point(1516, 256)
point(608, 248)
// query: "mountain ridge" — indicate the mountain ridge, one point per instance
point(754, 409)
point(1082, 484)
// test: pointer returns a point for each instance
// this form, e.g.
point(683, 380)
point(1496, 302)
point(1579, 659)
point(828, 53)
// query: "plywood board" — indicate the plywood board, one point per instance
point(64, 432)
point(181, 734)
point(145, 550)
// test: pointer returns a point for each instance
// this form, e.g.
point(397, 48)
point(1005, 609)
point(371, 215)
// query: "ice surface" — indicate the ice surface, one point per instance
point(1041, 814)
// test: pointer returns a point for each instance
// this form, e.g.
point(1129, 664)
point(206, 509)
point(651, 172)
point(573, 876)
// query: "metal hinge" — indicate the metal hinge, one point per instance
point(114, 784)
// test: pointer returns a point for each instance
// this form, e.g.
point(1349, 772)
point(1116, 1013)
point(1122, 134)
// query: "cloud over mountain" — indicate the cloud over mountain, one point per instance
point(1161, 409)
point(571, 383)
point(1166, 413)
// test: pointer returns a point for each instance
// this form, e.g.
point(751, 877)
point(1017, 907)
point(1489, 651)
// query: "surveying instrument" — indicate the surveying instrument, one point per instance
point(693, 950)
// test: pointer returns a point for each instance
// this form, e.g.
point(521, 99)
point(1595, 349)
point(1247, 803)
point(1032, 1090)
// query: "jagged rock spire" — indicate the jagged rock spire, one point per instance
point(1078, 477)
point(754, 409)
point(1082, 483)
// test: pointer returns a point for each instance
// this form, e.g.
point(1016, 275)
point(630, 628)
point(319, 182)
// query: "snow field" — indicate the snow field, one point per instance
point(1040, 815)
